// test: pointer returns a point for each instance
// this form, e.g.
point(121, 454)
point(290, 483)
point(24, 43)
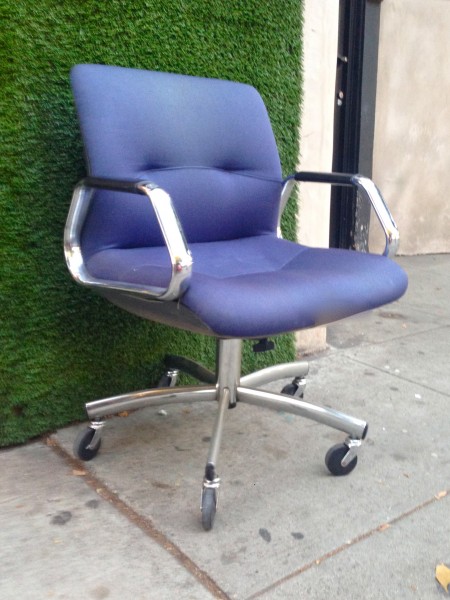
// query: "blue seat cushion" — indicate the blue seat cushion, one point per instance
point(262, 285)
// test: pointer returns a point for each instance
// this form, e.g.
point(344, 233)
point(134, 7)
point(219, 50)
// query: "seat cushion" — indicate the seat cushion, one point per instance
point(261, 286)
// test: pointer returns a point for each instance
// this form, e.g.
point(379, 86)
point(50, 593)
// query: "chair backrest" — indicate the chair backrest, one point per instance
point(208, 142)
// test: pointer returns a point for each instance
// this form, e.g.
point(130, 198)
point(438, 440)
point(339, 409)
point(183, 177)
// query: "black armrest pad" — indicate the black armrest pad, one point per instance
point(118, 185)
point(332, 178)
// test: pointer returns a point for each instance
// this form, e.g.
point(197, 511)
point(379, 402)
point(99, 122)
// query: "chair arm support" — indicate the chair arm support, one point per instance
point(116, 185)
point(367, 189)
point(180, 256)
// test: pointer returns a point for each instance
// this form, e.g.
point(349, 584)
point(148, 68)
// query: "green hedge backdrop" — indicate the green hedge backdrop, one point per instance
point(61, 345)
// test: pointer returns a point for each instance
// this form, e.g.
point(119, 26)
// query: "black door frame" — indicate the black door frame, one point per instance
point(354, 117)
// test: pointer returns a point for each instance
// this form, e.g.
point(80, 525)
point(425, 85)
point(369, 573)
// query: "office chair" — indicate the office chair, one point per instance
point(178, 221)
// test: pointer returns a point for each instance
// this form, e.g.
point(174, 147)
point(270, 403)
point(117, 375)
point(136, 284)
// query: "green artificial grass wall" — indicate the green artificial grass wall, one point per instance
point(60, 345)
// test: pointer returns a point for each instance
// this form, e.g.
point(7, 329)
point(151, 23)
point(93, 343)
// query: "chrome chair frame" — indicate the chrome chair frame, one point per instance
point(229, 387)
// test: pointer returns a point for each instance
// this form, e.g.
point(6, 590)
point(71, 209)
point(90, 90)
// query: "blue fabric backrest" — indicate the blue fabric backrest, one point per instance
point(208, 142)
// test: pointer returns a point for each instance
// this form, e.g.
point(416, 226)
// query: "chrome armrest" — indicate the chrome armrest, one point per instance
point(366, 188)
point(180, 256)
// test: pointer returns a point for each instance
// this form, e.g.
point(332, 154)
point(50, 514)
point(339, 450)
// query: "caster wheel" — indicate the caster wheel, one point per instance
point(81, 443)
point(165, 381)
point(209, 507)
point(169, 379)
point(334, 458)
point(291, 389)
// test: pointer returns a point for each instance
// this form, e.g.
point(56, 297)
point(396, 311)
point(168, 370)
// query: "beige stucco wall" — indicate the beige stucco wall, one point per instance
point(412, 127)
point(316, 133)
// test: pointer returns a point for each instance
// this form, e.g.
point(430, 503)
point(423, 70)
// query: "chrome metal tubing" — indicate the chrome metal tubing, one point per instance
point(369, 192)
point(353, 447)
point(79, 207)
point(285, 195)
point(356, 428)
point(154, 397)
point(296, 369)
point(180, 256)
point(229, 353)
point(216, 438)
point(97, 426)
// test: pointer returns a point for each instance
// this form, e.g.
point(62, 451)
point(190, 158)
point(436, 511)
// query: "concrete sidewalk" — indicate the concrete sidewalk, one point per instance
point(126, 525)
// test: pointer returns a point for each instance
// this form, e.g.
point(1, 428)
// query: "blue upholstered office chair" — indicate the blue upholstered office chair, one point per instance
point(178, 222)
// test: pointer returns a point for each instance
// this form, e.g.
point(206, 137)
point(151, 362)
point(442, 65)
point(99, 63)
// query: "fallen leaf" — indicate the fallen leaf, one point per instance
point(443, 576)
point(124, 413)
point(78, 473)
point(102, 493)
point(441, 495)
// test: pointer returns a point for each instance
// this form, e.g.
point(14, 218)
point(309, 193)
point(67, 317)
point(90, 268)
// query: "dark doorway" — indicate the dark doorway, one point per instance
point(354, 117)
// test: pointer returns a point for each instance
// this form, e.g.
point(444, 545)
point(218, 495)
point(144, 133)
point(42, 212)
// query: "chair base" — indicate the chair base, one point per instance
point(228, 388)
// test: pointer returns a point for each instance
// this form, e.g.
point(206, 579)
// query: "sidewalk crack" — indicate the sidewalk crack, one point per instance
point(145, 524)
point(356, 540)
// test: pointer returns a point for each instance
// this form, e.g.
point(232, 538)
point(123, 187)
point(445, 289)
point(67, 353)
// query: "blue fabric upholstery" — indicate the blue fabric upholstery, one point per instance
point(263, 285)
point(193, 137)
point(209, 143)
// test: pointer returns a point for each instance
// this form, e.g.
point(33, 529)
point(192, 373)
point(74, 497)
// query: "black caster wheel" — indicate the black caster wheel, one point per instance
point(169, 379)
point(81, 443)
point(209, 507)
point(291, 389)
point(165, 381)
point(334, 458)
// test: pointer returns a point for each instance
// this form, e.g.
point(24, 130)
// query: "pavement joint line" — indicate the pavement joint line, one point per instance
point(144, 523)
point(398, 376)
point(356, 540)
